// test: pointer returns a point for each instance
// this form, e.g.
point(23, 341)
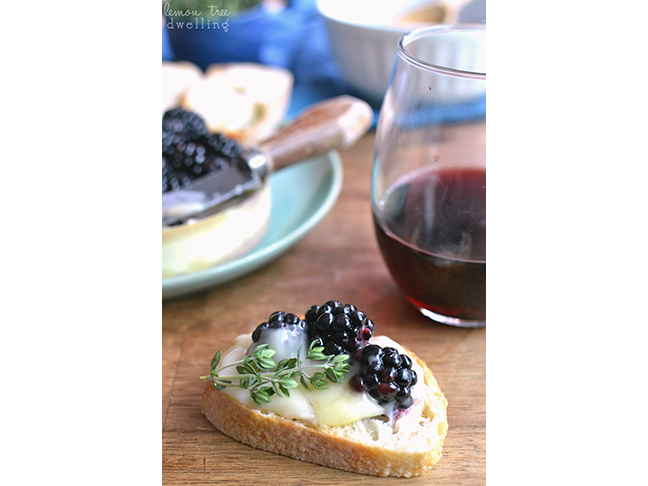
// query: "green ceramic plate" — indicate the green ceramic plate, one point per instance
point(302, 195)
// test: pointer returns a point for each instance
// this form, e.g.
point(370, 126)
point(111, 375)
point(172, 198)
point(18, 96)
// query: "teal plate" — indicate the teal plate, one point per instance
point(302, 195)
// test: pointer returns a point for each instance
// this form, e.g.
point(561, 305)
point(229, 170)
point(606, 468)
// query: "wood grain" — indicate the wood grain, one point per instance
point(338, 260)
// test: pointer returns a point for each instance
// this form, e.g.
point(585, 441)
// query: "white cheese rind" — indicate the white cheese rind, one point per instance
point(216, 239)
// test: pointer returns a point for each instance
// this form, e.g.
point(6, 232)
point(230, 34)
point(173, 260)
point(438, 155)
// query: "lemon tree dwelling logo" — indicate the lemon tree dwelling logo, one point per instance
point(196, 19)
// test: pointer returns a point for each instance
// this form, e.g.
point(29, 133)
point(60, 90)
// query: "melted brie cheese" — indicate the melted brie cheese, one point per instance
point(218, 238)
point(339, 404)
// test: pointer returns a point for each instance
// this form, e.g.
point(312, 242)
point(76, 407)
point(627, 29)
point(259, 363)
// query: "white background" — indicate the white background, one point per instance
point(567, 248)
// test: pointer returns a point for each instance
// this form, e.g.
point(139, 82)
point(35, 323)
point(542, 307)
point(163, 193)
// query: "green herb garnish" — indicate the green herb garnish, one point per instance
point(260, 374)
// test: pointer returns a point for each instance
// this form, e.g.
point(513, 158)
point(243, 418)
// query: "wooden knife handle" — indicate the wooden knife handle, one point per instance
point(336, 123)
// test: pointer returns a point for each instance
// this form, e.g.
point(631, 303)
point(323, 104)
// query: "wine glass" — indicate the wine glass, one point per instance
point(428, 187)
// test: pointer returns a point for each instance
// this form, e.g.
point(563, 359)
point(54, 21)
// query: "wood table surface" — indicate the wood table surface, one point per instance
point(338, 260)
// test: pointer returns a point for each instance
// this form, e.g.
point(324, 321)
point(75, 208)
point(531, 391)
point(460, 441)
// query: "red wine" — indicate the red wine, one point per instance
point(431, 230)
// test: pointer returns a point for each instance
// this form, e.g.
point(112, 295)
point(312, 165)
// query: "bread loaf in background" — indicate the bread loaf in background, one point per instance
point(245, 101)
point(177, 78)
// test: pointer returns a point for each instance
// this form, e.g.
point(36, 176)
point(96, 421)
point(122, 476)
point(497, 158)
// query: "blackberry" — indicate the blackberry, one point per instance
point(339, 328)
point(279, 320)
point(184, 124)
point(386, 375)
point(190, 151)
point(383, 373)
point(284, 332)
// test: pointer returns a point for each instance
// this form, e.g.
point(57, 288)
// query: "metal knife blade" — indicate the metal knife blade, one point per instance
point(335, 123)
point(208, 192)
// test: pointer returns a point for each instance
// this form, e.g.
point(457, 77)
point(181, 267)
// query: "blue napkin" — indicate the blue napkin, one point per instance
point(296, 39)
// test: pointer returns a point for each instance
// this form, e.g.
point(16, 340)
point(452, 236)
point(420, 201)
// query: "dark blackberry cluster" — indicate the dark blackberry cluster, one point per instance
point(339, 328)
point(278, 320)
point(190, 151)
point(386, 375)
point(179, 124)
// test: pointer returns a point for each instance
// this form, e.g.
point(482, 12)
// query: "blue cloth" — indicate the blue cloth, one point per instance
point(296, 39)
point(167, 50)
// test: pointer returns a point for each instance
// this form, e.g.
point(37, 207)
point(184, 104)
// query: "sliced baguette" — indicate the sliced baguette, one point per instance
point(404, 446)
point(177, 78)
point(245, 101)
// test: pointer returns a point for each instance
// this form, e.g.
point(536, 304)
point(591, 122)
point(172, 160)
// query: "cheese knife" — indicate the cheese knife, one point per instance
point(336, 123)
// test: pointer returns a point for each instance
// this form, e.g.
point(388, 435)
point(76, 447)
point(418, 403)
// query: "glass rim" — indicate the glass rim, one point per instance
point(436, 30)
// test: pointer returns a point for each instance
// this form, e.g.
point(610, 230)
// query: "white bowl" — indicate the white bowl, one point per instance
point(364, 36)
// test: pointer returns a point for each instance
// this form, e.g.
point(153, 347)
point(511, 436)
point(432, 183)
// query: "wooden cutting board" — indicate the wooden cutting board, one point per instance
point(338, 260)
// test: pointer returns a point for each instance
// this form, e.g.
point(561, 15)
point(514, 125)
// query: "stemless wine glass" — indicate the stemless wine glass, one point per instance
point(428, 188)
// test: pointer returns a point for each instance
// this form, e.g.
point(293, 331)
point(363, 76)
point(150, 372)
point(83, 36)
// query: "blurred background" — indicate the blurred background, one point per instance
point(332, 47)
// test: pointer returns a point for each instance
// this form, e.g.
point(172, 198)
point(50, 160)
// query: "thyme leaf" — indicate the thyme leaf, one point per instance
point(263, 377)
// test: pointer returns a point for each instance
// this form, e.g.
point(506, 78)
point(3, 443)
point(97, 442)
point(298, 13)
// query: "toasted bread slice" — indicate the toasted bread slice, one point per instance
point(407, 444)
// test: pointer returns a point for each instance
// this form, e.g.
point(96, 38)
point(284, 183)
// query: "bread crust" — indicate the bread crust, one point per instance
point(332, 446)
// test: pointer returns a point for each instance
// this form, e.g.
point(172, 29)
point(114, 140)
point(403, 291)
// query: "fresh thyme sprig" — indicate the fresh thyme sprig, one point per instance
point(260, 374)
